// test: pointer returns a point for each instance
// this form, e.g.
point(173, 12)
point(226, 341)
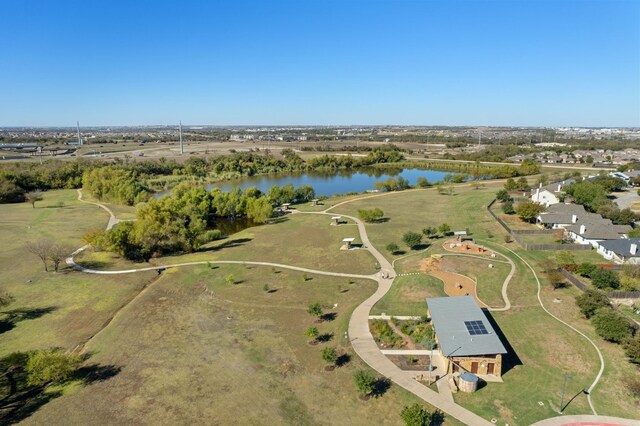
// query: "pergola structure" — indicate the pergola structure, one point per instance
point(348, 242)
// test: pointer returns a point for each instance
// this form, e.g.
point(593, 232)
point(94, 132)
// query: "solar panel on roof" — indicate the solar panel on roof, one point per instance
point(475, 327)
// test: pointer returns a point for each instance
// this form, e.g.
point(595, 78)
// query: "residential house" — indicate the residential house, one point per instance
point(620, 250)
point(550, 194)
point(594, 231)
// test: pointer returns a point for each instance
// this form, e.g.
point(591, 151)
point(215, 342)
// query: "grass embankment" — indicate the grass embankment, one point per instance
point(194, 347)
point(308, 241)
point(545, 348)
point(54, 309)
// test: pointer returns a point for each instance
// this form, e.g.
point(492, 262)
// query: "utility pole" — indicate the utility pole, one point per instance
point(181, 146)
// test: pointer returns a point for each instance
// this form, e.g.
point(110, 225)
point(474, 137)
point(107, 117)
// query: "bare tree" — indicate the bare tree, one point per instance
point(57, 254)
point(33, 196)
point(42, 249)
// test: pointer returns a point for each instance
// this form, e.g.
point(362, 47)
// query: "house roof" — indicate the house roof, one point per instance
point(562, 213)
point(456, 338)
point(553, 187)
point(622, 247)
point(599, 230)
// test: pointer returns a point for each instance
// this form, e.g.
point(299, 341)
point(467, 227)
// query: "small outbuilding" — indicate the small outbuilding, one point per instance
point(466, 339)
point(336, 220)
point(348, 243)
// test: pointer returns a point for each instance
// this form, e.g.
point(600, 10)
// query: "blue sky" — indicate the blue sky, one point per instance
point(513, 63)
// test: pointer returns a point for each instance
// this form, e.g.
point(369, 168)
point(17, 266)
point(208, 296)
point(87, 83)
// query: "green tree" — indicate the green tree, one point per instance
point(444, 229)
point(329, 355)
point(566, 258)
point(632, 349)
point(586, 269)
point(430, 231)
point(412, 239)
point(259, 209)
point(611, 326)
point(507, 207)
point(230, 279)
point(523, 184)
point(529, 210)
point(422, 182)
point(502, 195)
point(364, 382)
point(51, 365)
point(415, 415)
point(312, 332)
point(605, 278)
point(315, 309)
point(635, 232)
point(392, 248)
point(371, 215)
point(592, 300)
point(510, 184)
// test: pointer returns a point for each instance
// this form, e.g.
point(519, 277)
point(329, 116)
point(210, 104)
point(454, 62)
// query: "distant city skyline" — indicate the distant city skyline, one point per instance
point(303, 63)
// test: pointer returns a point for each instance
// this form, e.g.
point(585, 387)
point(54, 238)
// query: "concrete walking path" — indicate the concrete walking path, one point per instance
point(587, 420)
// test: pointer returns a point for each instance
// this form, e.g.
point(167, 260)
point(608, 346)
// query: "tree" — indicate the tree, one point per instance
point(364, 382)
point(592, 300)
point(57, 254)
point(635, 232)
point(605, 278)
point(5, 299)
point(32, 197)
point(230, 279)
point(371, 215)
point(444, 229)
point(510, 184)
point(502, 195)
point(586, 269)
point(566, 258)
point(412, 239)
point(392, 247)
point(507, 207)
point(556, 279)
point(611, 326)
point(315, 309)
point(41, 248)
point(312, 332)
point(523, 184)
point(632, 349)
point(430, 231)
point(329, 355)
point(529, 210)
point(415, 415)
point(422, 182)
point(51, 365)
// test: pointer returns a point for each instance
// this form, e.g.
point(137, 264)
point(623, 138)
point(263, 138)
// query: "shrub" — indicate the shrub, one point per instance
point(444, 229)
point(371, 215)
point(329, 355)
point(364, 382)
point(416, 415)
point(586, 269)
point(507, 238)
point(611, 326)
point(315, 309)
point(52, 365)
point(507, 207)
point(605, 278)
point(392, 247)
point(590, 301)
point(632, 349)
point(422, 182)
point(503, 195)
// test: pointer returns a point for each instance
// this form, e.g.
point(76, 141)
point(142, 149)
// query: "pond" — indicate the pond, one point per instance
point(329, 184)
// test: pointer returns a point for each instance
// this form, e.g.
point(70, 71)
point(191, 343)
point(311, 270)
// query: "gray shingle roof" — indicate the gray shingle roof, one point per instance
point(553, 187)
point(599, 229)
point(449, 314)
point(622, 247)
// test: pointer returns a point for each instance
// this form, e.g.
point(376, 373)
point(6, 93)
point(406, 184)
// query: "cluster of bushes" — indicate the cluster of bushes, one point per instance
point(594, 196)
point(609, 323)
point(421, 331)
point(186, 219)
point(371, 215)
point(485, 171)
point(384, 334)
point(392, 184)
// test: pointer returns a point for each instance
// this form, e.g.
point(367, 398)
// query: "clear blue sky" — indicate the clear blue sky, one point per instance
point(519, 62)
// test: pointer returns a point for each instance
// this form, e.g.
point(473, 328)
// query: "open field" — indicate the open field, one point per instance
point(417, 209)
point(194, 349)
point(54, 309)
point(308, 241)
point(407, 295)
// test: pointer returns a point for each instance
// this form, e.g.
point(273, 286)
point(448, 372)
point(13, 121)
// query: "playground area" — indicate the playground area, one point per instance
point(454, 284)
point(467, 247)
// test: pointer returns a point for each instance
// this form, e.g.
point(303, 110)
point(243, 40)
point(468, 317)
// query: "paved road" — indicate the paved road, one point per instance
point(627, 198)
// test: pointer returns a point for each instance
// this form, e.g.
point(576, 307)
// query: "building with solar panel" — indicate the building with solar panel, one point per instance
point(466, 339)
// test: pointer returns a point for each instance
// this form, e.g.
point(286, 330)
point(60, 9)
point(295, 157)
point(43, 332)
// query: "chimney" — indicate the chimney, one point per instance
point(583, 229)
point(559, 187)
point(537, 191)
point(633, 249)
point(540, 186)
point(574, 218)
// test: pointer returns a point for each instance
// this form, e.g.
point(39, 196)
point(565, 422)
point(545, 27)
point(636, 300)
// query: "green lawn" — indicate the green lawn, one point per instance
point(193, 347)
point(489, 280)
point(407, 295)
point(303, 240)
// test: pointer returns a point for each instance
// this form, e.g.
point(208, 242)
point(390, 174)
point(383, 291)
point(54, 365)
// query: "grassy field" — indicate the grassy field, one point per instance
point(303, 240)
point(489, 281)
point(417, 209)
point(194, 349)
point(54, 309)
point(407, 295)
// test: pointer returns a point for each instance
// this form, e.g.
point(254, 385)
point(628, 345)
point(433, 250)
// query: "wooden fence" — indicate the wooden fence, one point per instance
point(612, 294)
